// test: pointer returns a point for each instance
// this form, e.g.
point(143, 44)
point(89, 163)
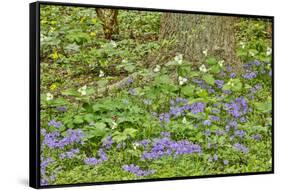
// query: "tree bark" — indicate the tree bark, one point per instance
point(195, 34)
point(109, 21)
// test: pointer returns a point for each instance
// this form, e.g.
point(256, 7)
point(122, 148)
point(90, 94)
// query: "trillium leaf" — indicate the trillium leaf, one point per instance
point(209, 79)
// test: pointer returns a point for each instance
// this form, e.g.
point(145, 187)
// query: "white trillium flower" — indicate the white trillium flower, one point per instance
point(182, 80)
point(205, 52)
point(268, 51)
point(113, 43)
point(49, 96)
point(203, 69)
point(157, 68)
point(101, 73)
point(242, 44)
point(184, 120)
point(114, 125)
point(82, 90)
point(221, 63)
point(135, 145)
point(179, 58)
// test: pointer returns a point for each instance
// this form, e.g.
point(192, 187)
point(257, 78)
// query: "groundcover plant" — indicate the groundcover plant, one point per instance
point(129, 94)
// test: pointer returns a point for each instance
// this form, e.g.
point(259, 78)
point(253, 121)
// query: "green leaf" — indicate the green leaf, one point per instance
point(264, 107)
point(129, 68)
point(215, 69)
point(188, 90)
point(130, 131)
point(209, 79)
point(78, 119)
point(211, 61)
point(70, 92)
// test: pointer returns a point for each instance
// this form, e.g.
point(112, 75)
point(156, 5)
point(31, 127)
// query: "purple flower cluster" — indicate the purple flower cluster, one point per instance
point(69, 154)
point(62, 108)
point(237, 108)
point(137, 170)
point(130, 81)
point(232, 75)
point(165, 146)
point(95, 161)
point(197, 107)
point(53, 140)
point(55, 123)
point(107, 143)
point(207, 122)
point(219, 83)
point(178, 107)
point(214, 118)
point(132, 91)
point(44, 163)
point(257, 137)
point(240, 133)
point(249, 75)
point(241, 148)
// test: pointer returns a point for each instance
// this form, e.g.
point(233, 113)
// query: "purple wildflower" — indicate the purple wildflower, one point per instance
point(207, 132)
point(102, 155)
point(232, 75)
point(241, 148)
point(70, 154)
point(55, 123)
point(136, 170)
point(240, 133)
point(92, 161)
point(130, 81)
point(257, 137)
point(207, 122)
point(249, 75)
point(215, 157)
point(107, 143)
point(214, 118)
point(219, 132)
point(165, 134)
point(219, 83)
point(228, 68)
point(197, 107)
point(225, 162)
point(44, 164)
point(237, 108)
point(62, 108)
point(165, 147)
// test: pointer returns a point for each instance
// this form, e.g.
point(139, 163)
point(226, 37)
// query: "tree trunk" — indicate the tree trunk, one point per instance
point(195, 34)
point(109, 21)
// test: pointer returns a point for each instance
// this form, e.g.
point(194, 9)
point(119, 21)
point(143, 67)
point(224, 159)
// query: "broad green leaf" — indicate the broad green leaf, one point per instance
point(209, 79)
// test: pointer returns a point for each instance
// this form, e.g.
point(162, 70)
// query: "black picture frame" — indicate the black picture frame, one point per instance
point(34, 93)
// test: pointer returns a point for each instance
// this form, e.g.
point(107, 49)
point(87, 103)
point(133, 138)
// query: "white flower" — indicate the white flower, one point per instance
point(49, 96)
point(135, 145)
point(203, 68)
point(268, 51)
point(101, 73)
point(182, 80)
point(178, 59)
point(82, 90)
point(184, 120)
point(114, 125)
point(113, 43)
point(242, 44)
point(221, 63)
point(205, 52)
point(157, 68)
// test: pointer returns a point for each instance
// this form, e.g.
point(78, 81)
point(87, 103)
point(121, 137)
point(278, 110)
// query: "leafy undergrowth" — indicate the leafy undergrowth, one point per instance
point(185, 121)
